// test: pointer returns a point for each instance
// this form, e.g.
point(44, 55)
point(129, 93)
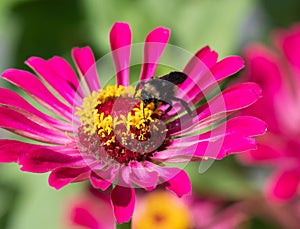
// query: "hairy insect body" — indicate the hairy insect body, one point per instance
point(163, 90)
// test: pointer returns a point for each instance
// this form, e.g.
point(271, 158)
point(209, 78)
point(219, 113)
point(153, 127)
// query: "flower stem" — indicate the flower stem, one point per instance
point(124, 225)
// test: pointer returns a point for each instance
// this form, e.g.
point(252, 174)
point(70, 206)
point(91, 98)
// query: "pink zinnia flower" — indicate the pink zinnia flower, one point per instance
point(105, 135)
point(159, 209)
point(277, 70)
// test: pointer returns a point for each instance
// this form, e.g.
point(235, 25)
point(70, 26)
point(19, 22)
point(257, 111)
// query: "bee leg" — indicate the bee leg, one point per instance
point(184, 104)
point(155, 101)
point(137, 87)
point(144, 109)
point(170, 106)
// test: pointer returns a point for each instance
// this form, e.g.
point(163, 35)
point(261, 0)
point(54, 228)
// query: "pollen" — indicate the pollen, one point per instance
point(119, 123)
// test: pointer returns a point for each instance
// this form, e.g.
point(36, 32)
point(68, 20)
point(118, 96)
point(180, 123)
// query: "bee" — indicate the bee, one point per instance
point(162, 90)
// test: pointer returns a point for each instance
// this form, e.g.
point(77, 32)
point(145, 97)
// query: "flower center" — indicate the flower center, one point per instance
point(115, 125)
point(160, 210)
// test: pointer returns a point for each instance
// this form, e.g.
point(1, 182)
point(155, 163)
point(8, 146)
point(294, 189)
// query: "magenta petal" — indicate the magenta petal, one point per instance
point(246, 126)
point(99, 182)
point(16, 102)
point(18, 123)
point(63, 69)
point(243, 126)
point(265, 154)
point(264, 68)
point(221, 70)
point(44, 160)
point(284, 185)
point(45, 70)
point(101, 178)
point(143, 177)
point(207, 56)
point(10, 150)
point(83, 217)
point(196, 68)
point(218, 149)
point(120, 41)
point(234, 98)
point(85, 62)
point(155, 44)
point(227, 67)
point(123, 201)
point(288, 42)
point(174, 179)
point(25, 80)
point(179, 184)
point(60, 177)
point(215, 148)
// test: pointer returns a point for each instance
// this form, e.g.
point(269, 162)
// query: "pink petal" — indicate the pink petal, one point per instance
point(63, 69)
point(196, 68)
point(102, 178)
point(267, 152)
point(99, 182)
point(120, 41)
point(16, 102)
point(246, 126)
point(123, 201)
point(207, 56)
point(19, 124)
point(44, 160)
point(215, 148)
point(25, 80)
point(223, 69)
point(143, 177)
point(174, 179)
point(155, 44)
point(263, 67)
point(243, 126)
point(179, 184)
point(234, 98)
point(85, 62)
point(60, 177)
point(10, 150)
point(227, 67)
point(284, 185)
point(83, 217)
point(45, 70)
point(288, 42)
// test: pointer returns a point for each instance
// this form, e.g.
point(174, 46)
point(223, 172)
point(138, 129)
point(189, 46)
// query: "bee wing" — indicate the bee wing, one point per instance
point(175, 77)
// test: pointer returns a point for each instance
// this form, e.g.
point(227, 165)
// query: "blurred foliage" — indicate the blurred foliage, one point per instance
point(47, 28)
point(224, 179)
point(282, 13)
point(193, 23)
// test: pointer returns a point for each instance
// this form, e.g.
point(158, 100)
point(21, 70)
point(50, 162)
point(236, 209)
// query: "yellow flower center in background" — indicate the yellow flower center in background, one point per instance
point(162, 210)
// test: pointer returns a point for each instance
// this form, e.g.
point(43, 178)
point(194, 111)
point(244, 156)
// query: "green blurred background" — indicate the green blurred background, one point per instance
point(52, 27)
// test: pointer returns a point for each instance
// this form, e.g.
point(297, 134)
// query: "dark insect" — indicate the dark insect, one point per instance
point(163, 90)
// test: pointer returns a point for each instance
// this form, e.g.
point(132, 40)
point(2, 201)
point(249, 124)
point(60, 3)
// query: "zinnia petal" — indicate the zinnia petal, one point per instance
point(44, 69)
point(86, 65)
point(179, 184)
point(16, 102)
point(154, 46)
point(120, 41)
point(25, 80)
point(284, 185)
point(123, 201)
point(10, 150)
point(43, 160)
point(62, 176)
point(21, 125)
